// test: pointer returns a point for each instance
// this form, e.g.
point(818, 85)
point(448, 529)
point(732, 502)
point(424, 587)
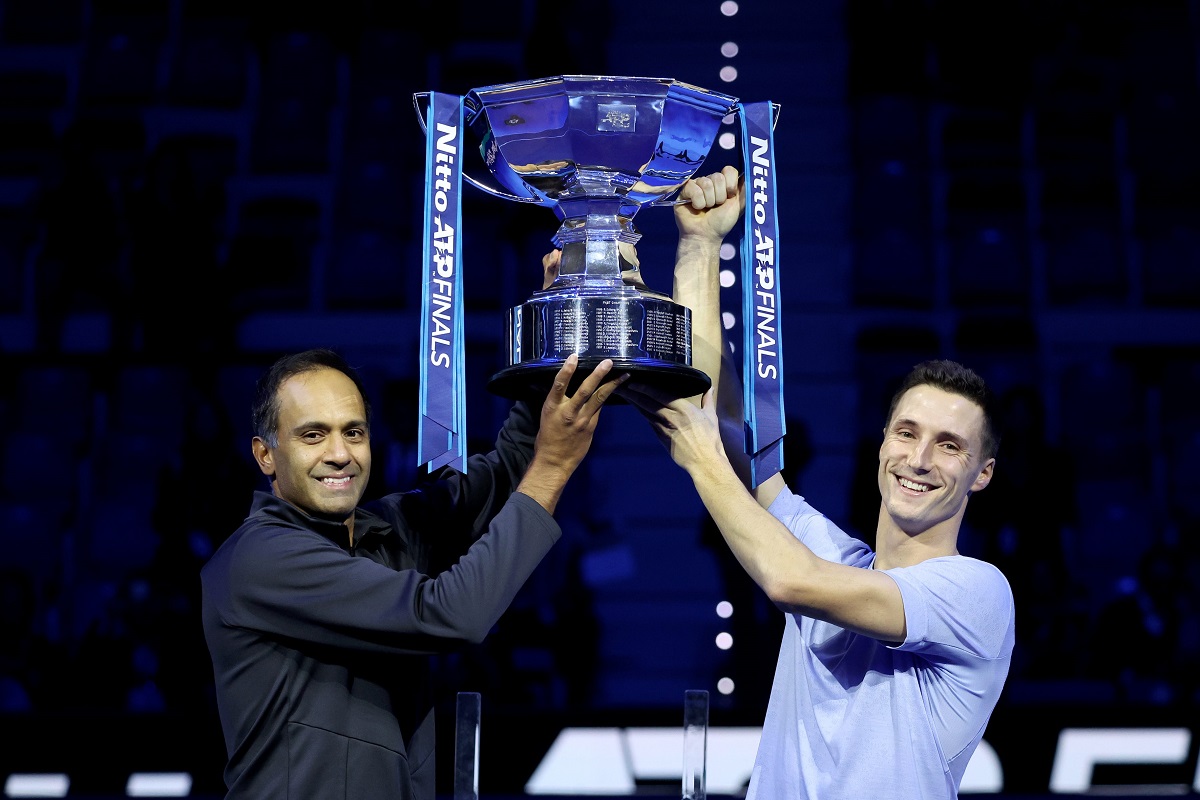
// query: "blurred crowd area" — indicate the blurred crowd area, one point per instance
point(186, 189)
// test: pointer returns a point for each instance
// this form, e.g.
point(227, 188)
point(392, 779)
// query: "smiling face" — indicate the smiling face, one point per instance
point(323, 460)
point(930, 460)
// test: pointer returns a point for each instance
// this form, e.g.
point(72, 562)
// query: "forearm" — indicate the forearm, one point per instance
point(769, 553)
point(712, 205)
point(697, 286)
point(796, 579)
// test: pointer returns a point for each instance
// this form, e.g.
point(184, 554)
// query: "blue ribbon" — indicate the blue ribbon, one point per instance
point(762, 343)
point(442, 437)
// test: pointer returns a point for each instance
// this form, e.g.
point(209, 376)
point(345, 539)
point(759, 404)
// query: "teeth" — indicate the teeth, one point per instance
point(916, 487)
point(336, 480)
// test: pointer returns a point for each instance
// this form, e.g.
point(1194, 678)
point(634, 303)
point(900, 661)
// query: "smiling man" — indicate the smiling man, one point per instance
point(320, 614)
point(893, 659)
point(318, 455)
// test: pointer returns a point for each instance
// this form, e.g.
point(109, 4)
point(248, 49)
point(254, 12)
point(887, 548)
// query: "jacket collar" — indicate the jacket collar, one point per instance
point(365, 522)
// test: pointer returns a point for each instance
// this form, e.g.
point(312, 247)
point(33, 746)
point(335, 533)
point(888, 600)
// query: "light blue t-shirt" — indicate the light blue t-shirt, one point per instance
point(851, 718)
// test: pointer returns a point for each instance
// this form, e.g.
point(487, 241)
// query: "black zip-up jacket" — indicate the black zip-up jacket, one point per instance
point(321, 650)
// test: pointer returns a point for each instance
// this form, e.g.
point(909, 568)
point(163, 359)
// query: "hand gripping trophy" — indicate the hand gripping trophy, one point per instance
point(595, 150)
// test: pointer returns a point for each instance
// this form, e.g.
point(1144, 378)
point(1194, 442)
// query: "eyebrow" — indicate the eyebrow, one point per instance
point(325, 426)
point(951, 435)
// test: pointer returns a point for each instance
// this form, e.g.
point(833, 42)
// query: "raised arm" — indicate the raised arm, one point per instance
point(703, 222)
point(795, 578)
point(712, 207)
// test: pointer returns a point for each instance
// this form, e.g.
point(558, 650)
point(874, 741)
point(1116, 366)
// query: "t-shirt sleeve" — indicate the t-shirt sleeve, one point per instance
point(816, 531)
point(956, 603)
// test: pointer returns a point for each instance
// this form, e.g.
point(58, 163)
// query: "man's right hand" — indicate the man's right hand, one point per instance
point(565, 434)
point(706, 212)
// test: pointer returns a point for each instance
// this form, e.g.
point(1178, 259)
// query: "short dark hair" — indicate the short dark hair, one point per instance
point(265, 410)
point(953, 377)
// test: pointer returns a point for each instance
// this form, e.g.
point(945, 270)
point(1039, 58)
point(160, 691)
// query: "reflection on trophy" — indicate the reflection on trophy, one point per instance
point(595, 150)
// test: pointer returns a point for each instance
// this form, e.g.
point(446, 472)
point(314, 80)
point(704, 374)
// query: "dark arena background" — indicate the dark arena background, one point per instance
point(189, 189)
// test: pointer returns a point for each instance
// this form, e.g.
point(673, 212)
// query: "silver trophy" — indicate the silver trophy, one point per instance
point(595, 149)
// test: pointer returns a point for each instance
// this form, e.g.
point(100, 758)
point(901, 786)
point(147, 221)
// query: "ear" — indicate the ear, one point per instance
point(264, 457)
point(985, 476)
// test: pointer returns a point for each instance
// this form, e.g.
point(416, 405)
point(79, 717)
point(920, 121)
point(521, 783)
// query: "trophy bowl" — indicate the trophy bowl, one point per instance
point(595, 149)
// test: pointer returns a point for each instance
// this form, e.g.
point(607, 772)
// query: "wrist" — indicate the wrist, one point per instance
point(700, 242)
point(544, 483)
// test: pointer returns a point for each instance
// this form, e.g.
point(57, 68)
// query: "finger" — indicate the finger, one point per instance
point(589, 385)
point(695, 193)
point(709, 186)
point(705, 191)
point(720, 191)
point(562, 378)
point(608, 388)
point(740, 190)
point(688, 190)
point(733, 180)
point(726, 185)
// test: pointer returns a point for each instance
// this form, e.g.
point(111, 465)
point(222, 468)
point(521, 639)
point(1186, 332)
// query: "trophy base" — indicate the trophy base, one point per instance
point(645, 334)
point(532, 382)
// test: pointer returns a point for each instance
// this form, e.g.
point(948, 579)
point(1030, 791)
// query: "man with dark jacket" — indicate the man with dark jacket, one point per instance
point(320, 614)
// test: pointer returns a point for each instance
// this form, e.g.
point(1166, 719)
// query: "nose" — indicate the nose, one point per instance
point(338, 452)
point(918, 455)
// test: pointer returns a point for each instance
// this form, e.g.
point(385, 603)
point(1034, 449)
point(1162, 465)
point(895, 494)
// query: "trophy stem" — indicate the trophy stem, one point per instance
point(598, 251)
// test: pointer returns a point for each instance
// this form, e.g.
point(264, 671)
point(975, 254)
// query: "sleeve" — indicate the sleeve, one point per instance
point(293, 583)
point(452, 509)
point(956, 604)
point(816, 531)
point(474, 497)
point(960, 620)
